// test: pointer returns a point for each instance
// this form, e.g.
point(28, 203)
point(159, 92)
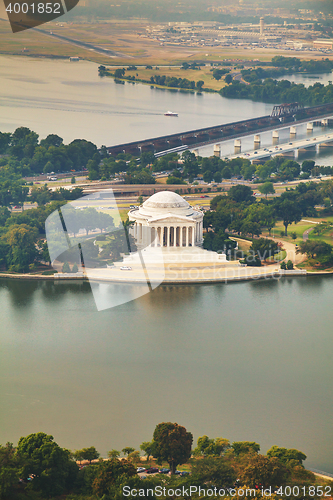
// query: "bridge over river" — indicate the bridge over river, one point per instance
point(193, 139)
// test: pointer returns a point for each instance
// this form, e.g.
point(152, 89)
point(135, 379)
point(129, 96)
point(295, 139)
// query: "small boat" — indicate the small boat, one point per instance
point(170, 113)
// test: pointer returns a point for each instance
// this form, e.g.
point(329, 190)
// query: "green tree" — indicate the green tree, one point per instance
point(213, 470)
point(127, 450)
point(289, 211)
point(217, 177)
point(172, 443)
point(147, 447)
point(78, 455)
point(241, 447)
point(9, 470)
point(266, 188)
point(308, 165)
point(147, 158)
point(264, 248)
point(5, 138)
point(119, 72)
point(203, 445)
point(241, 193)
point(134, 457)
point(113, 454)
point(66, 268)
point(264, 171)
point(90, 453)
point(216, 447)
point(41, 195)
point(109, 473)
point(228, 78)
point(314, 248)
point(53, 469)
point(264, 471)
point(52, 140)
point(23, 143)
point(23, 252)
point(207, 176)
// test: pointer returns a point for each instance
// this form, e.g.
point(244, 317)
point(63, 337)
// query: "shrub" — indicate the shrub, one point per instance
point(66, 268)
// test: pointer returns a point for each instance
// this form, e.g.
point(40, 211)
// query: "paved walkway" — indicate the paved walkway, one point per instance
point(306, 233)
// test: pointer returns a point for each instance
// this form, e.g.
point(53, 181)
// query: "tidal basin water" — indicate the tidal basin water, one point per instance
point(245, 361)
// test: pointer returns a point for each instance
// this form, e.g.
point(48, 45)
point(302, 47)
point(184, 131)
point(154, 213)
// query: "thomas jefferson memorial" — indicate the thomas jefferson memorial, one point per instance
point(167, 220)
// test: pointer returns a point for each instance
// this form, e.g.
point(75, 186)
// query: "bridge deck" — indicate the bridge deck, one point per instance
point(220, 133)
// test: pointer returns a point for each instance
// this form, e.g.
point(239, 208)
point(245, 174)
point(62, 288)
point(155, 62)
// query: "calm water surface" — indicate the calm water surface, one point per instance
point(71, 100)
point(246, 361)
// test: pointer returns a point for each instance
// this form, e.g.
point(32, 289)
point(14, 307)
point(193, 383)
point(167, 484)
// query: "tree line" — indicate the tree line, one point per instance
point(26, 155)
point(37, 467)
point(287, 65)
point(269, 90)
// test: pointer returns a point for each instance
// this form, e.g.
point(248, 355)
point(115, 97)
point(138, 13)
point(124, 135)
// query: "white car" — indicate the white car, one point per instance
point(125, 268)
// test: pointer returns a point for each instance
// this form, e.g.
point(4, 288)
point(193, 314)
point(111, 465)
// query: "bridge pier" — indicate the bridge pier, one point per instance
point(293, 131)
point(324, 145)
point(324, 122)
point(217, 150)
point(309, 127)
point(256, 141)
point(275, 137)
point(237, 146)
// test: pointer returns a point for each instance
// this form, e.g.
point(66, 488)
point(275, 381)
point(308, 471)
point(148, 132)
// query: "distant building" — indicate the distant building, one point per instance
point(262, 26)
point(323, 44)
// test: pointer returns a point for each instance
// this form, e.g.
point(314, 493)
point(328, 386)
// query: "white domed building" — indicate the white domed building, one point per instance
point(167, 220)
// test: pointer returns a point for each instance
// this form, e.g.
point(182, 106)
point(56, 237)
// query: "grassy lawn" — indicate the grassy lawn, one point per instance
point(203, 74)
point(297, 228)
point(243, 245)
point(278, 257)
point(326, 236)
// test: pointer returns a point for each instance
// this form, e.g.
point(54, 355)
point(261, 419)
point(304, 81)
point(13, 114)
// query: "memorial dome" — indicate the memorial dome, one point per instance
point(166, 202)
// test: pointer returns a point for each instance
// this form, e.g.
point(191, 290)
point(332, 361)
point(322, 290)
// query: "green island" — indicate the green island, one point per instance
point(224, 77)
point(234, 211)
point(37, 468)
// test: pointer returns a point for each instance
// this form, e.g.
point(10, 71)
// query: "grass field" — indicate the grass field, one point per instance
point(297, 228)
point(203, 74)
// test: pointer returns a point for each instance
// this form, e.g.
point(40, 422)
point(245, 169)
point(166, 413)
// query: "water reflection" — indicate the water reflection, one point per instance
point(21, 293)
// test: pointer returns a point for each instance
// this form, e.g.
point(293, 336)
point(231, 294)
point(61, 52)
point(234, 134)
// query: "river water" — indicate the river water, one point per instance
point(246, 361)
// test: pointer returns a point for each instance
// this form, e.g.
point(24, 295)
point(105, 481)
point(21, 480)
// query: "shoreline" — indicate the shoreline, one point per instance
point(254, 275)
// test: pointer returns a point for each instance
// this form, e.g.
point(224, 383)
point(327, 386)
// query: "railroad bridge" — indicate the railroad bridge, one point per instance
point(294, 113)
